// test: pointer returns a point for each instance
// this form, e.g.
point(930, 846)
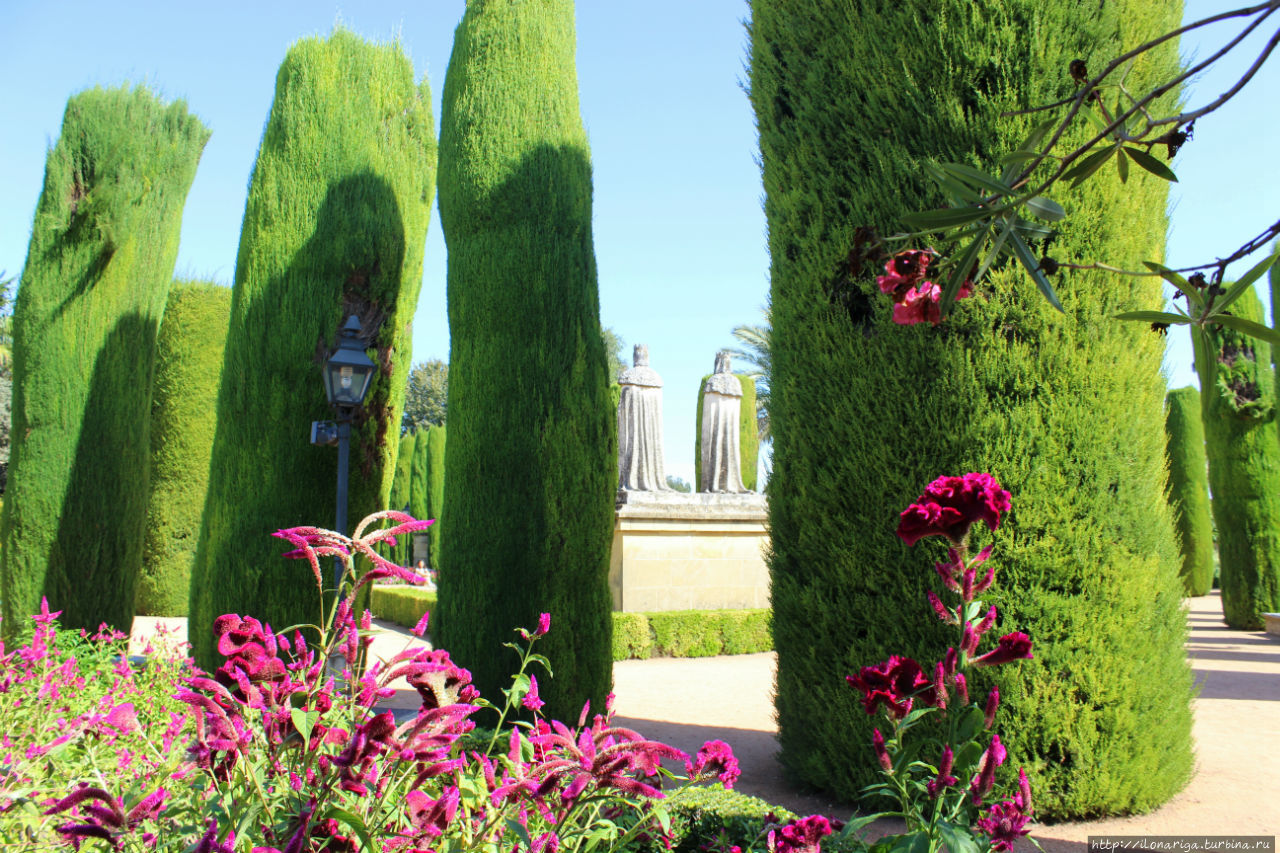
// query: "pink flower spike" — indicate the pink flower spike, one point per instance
point(987, 580)
point(993, 703)
point(544, 624)
point(421, 628)
point(882, 754)
point(532, 700)
point(966, 584)
point(962, 688)
point(1023, 799)
point(941, 609)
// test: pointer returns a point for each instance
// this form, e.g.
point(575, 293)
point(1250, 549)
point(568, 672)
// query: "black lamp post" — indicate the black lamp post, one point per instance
point(347, 375)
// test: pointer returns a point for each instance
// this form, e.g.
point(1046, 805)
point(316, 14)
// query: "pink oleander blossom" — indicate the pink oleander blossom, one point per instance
point(950, 505)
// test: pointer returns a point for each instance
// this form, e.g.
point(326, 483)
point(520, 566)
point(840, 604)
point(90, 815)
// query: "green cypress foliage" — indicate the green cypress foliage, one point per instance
point(401, 493)
point(528, 513)
point(419, 470)
point(98, 272)
point(1238, 397)
point(1189, 488)
point(184, 398)
point(748, 434)
point(851, 100)
point(436, 442)
point(335, 224)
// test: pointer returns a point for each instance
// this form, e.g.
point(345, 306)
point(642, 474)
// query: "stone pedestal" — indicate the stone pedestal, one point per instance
point(680, 551)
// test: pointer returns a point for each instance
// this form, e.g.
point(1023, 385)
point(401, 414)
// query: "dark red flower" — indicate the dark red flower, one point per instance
point(1004, 823)
point(803, 835)
point(1010, 647)
point(892, 683)
point(950, 505)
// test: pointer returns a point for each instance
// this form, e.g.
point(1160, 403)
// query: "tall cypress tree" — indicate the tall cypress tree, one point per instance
point(528, 508)
point(1189, 488)
point(334, 224)
point(401, 492)
point(1065, 410)
point(1238, 400)
point(184, 400)
point(419, 478)
point(436, 442)
point(93, 292)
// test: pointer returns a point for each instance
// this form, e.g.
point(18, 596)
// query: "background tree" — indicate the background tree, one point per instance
point(613, 353)
point(531, 459)
point(420, 481)
point(679, 484)
point(852, 102)
point(334, 225)
point(1238, 397)
point(1189, 488)
point(184, 398)
point(426, 395)
point(98, 271)
point(401, 495)
point(754, 361)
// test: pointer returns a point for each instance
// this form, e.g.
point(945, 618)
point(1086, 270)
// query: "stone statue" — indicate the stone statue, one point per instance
point(720, 464)
point(640, 466)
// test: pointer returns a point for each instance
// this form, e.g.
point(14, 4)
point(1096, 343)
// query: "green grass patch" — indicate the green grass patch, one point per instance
point(677, 633)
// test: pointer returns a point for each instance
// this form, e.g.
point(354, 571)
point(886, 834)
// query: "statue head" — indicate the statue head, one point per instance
point(640, 356)
point(722, 362)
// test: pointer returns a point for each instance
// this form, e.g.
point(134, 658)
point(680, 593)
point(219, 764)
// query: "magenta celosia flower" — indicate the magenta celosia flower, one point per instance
point(892, 683)
point(803, 835)
point(544, 624)
point(985, 778)
point(950, 505)
point(715, 758)
point(421, 627)
point(1004, 823)
point(1010, 647)
point(944, 779)
point(989, 713)
point(944, 613)
point(209, 841)
point(600, 757)
point(882, 754)
point(532, 700)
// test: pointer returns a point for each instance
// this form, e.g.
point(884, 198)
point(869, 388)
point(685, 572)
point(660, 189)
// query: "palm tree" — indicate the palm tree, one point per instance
point(755, 356)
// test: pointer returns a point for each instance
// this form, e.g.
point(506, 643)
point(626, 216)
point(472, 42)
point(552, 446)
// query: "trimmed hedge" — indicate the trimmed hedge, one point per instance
point(335, 224)
point(1064, 409)
point(527, 521)
point(1238, 402)
point(680, 634)
point(436, 441)
point(184, 399)
point(1189, 488)
point(748, 434)
point(98, 271)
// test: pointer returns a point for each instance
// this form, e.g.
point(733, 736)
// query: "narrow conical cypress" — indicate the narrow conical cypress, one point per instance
point(1189, 488)
point(436, 441)
point(184, 400)
point(419, 478)
point(98, 271)
point(528, 508)
point(1238, 397)
point(852, 100)
point(334, 225)
point(401, 490)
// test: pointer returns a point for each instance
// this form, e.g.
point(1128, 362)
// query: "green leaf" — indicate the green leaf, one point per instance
point(916, 713)
point(1026, 150)
point(1046, 209)
point(976, 178)
point(958, 839)
point(354, 822)
point(1155, 317)
point(520, 830)
point(1248, 327)
point(959, 192)
point(1244, 282)
point(304, 722)
point(1151, 164)
point(961, 272)
point(1028, 260)
point(971, 724)
point(1183, 286)
point(853, 824)
point(1086, 167)
point(1122, 164)
point(946, 217)
point(1032, 230)
point(1094, 119)
point(994, 252)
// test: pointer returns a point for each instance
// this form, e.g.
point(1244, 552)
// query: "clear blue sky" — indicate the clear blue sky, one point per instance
point(679, 229)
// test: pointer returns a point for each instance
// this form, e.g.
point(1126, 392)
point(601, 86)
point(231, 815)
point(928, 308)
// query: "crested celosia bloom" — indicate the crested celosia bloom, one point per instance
point(1005, 822)
point(892, 683)
point(1010, 647)
point(950, 505)
point(715, 758)
point(803, 835)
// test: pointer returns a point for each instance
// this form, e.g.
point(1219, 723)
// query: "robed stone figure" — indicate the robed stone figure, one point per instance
point(640, 466)
point(720, 464)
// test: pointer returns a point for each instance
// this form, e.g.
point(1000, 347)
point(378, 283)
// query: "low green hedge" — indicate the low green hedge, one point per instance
point(677, 633)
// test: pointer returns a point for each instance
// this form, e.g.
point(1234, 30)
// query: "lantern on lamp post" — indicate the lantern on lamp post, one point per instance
point(347, 375)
